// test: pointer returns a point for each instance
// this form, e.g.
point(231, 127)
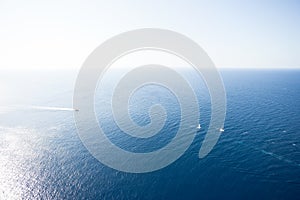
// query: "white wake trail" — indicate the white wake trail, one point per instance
point(51, 108)
point(6, 109)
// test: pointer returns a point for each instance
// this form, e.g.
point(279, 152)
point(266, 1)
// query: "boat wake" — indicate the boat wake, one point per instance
point(32, 107)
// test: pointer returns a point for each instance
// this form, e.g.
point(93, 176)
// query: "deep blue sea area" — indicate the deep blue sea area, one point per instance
point(256, 157)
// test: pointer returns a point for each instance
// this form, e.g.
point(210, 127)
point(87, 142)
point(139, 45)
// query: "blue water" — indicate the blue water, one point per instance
point(256, 157)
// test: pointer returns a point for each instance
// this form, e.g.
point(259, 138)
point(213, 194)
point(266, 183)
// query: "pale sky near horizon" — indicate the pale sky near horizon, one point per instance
point(61, 34)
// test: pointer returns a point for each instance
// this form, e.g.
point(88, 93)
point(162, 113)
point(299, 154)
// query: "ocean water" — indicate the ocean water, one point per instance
point(256, 157)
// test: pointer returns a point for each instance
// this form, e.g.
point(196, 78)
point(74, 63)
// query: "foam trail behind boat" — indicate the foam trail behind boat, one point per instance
point(31, 107)
point(51, 108)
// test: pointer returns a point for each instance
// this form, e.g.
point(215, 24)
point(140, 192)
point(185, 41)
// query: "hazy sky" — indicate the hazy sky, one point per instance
point(61, 34)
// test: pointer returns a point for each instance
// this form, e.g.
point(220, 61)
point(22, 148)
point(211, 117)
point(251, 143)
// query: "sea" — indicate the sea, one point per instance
point(256, 157)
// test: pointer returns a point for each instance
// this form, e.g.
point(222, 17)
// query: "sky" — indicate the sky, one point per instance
point(61, 34)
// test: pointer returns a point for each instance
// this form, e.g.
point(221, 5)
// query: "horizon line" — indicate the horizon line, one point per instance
point(76, 68)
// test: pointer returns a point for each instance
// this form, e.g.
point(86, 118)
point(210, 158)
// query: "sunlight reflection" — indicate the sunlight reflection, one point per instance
point(16, 152)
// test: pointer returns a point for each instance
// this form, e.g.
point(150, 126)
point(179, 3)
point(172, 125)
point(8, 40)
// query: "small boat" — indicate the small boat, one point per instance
point(76, 109)
point(199, 126)
point(221, 130)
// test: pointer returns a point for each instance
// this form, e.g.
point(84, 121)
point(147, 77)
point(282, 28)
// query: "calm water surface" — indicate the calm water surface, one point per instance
point(257, 157)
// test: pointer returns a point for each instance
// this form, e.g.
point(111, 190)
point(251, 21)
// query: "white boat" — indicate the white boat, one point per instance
point(199, 126)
